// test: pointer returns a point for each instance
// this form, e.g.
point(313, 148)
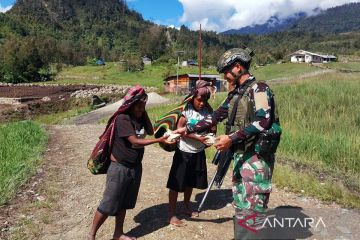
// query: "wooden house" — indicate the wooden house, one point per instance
point(185, 82)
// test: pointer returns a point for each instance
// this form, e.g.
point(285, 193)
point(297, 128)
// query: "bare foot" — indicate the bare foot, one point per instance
point(124, 237)
point(176, 222)
point(191, 213)
point(90, 237)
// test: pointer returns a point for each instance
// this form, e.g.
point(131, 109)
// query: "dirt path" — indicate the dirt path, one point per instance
point(59, 203)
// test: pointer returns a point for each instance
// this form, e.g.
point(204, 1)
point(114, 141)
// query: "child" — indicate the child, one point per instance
point(188, 169)
point(124, 174)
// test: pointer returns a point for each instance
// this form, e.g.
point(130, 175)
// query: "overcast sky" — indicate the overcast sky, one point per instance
point(218, 15)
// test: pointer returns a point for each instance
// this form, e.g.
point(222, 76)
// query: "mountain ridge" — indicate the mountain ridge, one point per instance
point(326, 21)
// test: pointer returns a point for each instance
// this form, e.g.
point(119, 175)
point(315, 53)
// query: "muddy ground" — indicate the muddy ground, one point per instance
point(41, 91)
point(31, 101)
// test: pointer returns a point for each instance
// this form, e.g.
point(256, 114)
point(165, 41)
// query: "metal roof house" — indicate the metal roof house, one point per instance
point(309, 57)
point(185, 82)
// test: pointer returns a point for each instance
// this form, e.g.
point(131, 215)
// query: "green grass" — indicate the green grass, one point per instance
point(155, 74)
point(111, 73)
point(307, 184)
point(21, 144)
point(283, 70)
point(352, 66)
point(321, 123)
point(57, 118)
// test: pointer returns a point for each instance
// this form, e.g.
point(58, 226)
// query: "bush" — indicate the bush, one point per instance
point(133, 64)
point(21, 144)
point(21, 61)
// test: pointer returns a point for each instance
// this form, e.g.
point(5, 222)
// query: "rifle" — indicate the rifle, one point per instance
point(222, 160)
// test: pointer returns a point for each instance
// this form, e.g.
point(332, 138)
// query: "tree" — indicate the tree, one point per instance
point(20, 61)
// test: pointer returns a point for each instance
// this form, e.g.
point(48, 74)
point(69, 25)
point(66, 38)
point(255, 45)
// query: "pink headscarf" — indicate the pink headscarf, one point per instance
point(202, 88)
point(134, 94)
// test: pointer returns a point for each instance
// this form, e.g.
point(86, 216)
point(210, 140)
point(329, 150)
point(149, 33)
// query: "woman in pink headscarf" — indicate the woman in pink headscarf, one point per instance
point(132, 124)
point(188, 169)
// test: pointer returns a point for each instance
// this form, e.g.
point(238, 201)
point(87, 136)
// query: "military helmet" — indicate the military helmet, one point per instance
point(233, 55)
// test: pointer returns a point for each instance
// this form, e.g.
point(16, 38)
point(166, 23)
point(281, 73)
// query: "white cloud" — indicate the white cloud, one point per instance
point(5, 9)
point(233, 14)
point(173, 26)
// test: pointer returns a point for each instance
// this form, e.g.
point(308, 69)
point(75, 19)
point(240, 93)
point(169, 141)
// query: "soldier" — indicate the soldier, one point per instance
point(253, 108)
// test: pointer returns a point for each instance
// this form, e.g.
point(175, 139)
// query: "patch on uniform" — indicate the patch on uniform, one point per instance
point(261, 101)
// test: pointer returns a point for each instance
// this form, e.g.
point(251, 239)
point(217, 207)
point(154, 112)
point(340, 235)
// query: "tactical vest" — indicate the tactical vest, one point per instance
point(265, 142)
point(244, 115)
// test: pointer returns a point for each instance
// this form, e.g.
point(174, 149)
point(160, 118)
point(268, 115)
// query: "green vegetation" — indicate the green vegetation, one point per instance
point(283, 70)
point(328, 20)
point(59, 117)
point(46, 37)
point(21, 145)
point(306, 184)
point(322, 126)
point(113, 73)
point(351, 66)
point(153, 75)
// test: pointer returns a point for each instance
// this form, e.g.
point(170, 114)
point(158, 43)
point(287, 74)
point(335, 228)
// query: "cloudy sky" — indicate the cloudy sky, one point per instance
point(218, 15)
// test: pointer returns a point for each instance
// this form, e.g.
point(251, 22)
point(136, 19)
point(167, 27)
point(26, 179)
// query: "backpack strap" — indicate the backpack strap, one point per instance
point(238, 97)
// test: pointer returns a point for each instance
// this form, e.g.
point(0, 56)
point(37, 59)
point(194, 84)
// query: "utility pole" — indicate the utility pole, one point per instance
point(178, 53)
point(200, 46)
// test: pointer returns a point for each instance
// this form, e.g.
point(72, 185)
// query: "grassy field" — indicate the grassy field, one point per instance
point(283, 70)
point(155, 74)
point(57, 118)
point(322, 125)
point(352, 66)
point(21, 145)
point(320, 146)
point(112, 74)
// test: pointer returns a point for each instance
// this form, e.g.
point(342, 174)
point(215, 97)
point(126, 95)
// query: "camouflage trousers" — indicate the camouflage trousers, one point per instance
point(252, 181)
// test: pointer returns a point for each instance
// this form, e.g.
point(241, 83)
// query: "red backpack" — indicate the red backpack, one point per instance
point(99, 160)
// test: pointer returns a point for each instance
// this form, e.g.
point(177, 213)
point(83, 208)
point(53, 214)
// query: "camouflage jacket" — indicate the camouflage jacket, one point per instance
point(257, 102)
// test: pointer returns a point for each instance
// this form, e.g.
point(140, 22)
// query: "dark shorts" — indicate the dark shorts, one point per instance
point(122, 188)
point(188, 170)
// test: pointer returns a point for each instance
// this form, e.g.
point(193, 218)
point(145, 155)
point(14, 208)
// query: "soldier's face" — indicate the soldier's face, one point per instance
point(229, 76)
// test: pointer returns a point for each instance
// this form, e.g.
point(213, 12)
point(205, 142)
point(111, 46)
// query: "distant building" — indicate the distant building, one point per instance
point(146, 60)
point(192, 63)
point(187, 81)
point(309, 57)
point(189, 63)
point(100, 61)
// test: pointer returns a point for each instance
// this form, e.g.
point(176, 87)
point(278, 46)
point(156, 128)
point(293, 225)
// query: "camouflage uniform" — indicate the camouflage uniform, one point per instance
point(252, 172)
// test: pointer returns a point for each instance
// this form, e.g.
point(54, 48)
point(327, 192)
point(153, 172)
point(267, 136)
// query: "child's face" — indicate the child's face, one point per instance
point(199, 102)
point(138, 109)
